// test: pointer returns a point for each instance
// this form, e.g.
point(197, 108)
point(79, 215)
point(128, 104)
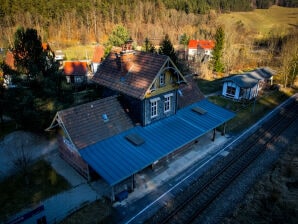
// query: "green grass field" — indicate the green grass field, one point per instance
point(261, 21)
point(249, 114)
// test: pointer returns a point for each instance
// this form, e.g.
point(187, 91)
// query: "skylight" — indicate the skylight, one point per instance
point(135, 139)
point(199, 110)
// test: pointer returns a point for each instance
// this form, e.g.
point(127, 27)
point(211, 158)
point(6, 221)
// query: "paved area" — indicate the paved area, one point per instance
point(22, 144)
point(82, 192)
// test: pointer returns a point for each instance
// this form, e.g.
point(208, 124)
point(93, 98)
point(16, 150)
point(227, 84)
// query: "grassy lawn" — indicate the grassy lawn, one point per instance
point(80, 52)
point(17, 193)
point(208, 86)
point(96, 212)
point(248, 114)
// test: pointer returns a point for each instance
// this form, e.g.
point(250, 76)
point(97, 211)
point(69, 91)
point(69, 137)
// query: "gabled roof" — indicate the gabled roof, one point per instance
point(250, 79)
point(204, 44)
point(192, 44)
point(75, 68)
point(98, 54)
point(189, 92)
point(243, 81)
point(117, 158)
point(92, 122)
point(132, 72)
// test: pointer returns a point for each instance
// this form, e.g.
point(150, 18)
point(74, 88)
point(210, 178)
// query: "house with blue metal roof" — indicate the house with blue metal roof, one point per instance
point(150, 112)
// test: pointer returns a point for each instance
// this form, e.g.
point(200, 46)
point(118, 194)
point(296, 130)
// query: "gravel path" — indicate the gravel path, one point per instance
point(235, 194)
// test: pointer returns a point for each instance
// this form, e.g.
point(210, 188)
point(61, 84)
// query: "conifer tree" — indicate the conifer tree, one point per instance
point(166, 48)
point(217, 51)
point(148, 46)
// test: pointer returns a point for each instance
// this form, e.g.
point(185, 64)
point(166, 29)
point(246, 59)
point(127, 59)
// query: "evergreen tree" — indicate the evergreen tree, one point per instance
point(148, 46)
point(119, 36)
point(217, 51)
point(166, 48)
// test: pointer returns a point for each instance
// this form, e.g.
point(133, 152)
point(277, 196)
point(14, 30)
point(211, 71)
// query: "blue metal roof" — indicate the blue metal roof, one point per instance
point(116, 158)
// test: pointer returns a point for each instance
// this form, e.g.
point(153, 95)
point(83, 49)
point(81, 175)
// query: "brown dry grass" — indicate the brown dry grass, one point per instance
point(261, 21)
point(274, 199)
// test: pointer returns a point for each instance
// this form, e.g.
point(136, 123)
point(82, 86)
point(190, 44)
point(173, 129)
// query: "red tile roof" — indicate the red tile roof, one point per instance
point(190, 93)
point(193, 44)
point(9, 59)
point(75, 68)
point(86, 125)
point(131, 73)
point(204, 44)
point(98, 54)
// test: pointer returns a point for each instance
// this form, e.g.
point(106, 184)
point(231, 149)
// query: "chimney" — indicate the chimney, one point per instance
point(126, 57)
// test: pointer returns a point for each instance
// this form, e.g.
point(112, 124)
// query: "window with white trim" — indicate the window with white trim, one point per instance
point(167, 104)
point(154, 107)
point(162, 79)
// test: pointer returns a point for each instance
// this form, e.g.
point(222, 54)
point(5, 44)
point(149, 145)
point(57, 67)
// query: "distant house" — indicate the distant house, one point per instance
point(97, 58)
point(75, 71)
point(59, 55)
point(200, 49)
point(149, 113)
point(246, 86)
point(9, 61)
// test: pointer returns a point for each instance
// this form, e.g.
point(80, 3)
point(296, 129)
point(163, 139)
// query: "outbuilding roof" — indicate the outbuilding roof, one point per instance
point(250, 79)
point(117, 158)
point(92, 122)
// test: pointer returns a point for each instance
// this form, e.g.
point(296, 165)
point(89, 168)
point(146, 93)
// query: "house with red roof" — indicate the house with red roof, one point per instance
point(201, 49)
point(149, 112)
point(75, 71)
point(97, 57)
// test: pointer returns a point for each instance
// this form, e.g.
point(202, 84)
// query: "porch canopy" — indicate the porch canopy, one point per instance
point(127, 153)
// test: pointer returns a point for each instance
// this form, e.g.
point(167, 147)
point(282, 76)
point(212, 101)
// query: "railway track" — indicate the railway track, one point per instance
point(189, 206)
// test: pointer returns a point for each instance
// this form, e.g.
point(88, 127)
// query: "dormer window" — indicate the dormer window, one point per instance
point(162, 79)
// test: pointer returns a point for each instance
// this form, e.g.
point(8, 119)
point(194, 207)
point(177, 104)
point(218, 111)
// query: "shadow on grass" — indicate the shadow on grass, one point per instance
point(18, 192)
point(210, 86)
point(250, 112)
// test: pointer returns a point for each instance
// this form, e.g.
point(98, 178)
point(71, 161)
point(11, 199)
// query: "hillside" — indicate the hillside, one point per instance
point(261, 21)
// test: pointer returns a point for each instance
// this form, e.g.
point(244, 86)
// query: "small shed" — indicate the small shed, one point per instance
point(247, 85)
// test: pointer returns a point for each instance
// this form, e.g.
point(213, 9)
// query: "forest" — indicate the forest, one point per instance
point(245, 42)
point(70, 22)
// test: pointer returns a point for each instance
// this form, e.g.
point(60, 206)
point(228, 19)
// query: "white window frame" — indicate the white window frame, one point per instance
point(167, 102)
point(162, 79)
point(154, 107)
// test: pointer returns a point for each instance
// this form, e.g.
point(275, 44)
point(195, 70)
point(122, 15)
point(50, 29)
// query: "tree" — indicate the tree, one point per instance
point(166, 48)
point(148, 46)
point(289, 60)
point(38, 82)
point(27, 52)
point(119, 36)
point(217, 51)
point(184, 39)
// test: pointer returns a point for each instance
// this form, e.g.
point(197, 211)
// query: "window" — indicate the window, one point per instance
point(167, 104)
point(231, 90)
point(162, 79)
point(154, 108)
